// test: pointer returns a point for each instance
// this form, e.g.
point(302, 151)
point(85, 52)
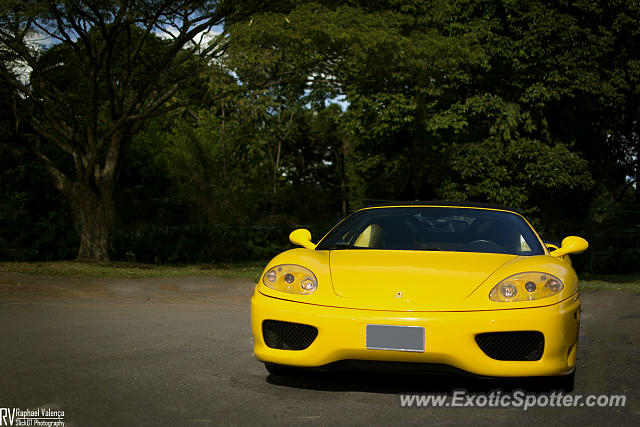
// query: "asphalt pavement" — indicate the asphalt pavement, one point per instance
point(176, 351)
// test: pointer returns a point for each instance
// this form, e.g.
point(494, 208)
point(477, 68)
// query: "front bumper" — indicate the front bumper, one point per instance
point(449, 336)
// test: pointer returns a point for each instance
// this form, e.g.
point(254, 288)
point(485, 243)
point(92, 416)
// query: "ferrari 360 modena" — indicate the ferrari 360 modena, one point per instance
point(472, 287)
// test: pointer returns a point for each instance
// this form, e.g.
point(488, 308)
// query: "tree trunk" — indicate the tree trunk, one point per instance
point(95, 209)
point(224, 155)
point(637, 177)
point(343, 175)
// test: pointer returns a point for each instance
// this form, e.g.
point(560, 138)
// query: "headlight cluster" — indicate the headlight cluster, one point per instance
point(291, 278)
point(526, 287)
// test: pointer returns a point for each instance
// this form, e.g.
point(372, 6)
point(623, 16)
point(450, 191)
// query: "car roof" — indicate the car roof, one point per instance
point(443, 204)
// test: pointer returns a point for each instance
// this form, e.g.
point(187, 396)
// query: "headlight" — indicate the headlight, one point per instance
point(291, 278)
point(526, 287)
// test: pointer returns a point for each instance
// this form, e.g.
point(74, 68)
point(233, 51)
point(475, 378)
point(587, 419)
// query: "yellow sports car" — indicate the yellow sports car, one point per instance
point(469, 286)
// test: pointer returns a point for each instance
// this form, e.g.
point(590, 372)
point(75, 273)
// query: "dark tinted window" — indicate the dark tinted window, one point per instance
point(434, 229)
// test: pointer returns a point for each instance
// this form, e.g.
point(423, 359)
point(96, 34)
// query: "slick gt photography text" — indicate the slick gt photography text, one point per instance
point(517, 399)
point(31, 417)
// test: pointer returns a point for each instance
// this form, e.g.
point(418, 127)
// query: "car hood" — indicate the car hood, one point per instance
point(409, 280)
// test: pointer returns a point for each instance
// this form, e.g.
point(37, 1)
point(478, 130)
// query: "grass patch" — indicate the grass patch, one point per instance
point(611, 282)
point(249, 270)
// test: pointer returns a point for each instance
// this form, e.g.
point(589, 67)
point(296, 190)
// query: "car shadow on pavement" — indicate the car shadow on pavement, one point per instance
point(390, 381)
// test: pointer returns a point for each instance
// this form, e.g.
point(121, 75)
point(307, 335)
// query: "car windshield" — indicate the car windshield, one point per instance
point(434, 229)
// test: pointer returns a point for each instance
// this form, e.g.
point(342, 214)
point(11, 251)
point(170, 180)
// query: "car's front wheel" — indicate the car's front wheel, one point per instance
point(562, 382)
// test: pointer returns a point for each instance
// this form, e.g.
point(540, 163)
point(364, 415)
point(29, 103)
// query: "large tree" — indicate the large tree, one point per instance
point(92, 73)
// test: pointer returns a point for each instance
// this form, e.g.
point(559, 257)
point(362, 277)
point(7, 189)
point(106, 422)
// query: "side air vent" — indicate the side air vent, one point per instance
point(288, 335)
point(521, 345)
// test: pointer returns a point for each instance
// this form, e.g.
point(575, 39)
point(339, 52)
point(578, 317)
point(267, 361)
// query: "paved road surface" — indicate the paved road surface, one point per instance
point(176, 351)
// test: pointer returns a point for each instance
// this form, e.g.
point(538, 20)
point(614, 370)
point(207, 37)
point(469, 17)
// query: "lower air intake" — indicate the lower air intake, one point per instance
point(288, 335)
point(521, 345)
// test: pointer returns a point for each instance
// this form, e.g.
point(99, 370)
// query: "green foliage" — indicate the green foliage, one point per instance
point(248, 270)
point(35, 224)
point(511, 111)
point(531, 104)
point(512, 172)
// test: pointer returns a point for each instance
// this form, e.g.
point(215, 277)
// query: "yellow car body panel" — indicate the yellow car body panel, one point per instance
point(445, 292)
point(449, 336)
point(423, 278)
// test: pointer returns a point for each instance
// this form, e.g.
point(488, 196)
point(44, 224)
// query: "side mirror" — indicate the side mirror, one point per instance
point(551, 246)
point(302, 237)
point(571, 245)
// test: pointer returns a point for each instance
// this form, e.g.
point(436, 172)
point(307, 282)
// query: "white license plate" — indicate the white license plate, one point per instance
point(396, 338)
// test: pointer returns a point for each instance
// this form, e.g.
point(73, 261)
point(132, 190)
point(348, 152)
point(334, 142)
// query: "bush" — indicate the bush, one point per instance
point(202, 243)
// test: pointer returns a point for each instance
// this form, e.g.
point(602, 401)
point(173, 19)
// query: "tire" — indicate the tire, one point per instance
point(562, 382)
